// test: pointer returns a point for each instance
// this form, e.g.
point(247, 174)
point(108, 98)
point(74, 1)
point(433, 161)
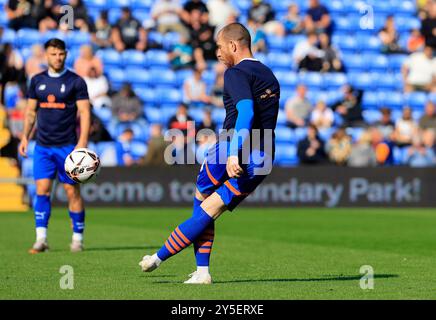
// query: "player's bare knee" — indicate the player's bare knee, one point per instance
point(213, 206)
point(43, 187)
point(201, 196)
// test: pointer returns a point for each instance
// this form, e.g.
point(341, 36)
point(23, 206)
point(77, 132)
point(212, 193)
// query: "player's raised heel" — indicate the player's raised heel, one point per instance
point(39, 246)
point(148, 264)
point(199, 278)
point(76, 246)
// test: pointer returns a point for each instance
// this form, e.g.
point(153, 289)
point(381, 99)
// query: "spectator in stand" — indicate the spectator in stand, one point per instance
point(49, 13)
point(428, 119)
point(311, 149)
point(382, 147)
point(182, 121)
point(82, 21)
point(181, 56)
point(385, 124)
point(405, 128)
point(128, 33)
point(37, 62)
point(322, 117)
point(217, 91)
point(428, 138)
point(126, 106)
point(298, 108)
point(331, 55)
point(419, 71)
point(339, 147)
point(206, 140)
point(389, 37)
point(157, 145)
point(318, 18)
point(221, 12)
point(124, 149)
point(207, 121)
point(21, 15)
point(101, 37)
point(258, 37)
point(202, 40)
point(428, 26)
point(293, 23)
point(350, 107)
point(11, 69)
point(97, 130)
point(362, 154)
point(191, 5)
point(416, 41)
point(263, 14)
point(194, 89)
point(87, 61)
point(166, 14)
point(98, 88)
point(419, 156)
point(306, 55)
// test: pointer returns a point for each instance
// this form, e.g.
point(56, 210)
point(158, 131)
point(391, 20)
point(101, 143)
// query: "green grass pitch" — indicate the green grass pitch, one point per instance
point(258, 254)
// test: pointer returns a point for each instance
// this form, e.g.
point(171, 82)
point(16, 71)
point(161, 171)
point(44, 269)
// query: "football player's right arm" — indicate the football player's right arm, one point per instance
point(29, 121)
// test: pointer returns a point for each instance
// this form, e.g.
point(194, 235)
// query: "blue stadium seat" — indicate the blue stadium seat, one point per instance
point(399, 155)
point(361, 80)
point(167, 111)
point(355, 133)
point(155, 39)
point(104, 114)
point(156, 58)
point(391, 99)
point(138, 149)
point(208, 76)
point(138, 76)
point(115, 75)
point(77, 38)
point(346, 43)
point(110, 57)
point(396, 61)
point(93, 5)
point(300, 133)
point(182, 75)
point(281, 118)
point(354, 62)
point(370, 100)
point(292, 40)
point(3, 19)
point(371, 116)
point(9, 36)
point(169, 96)
point(146, 94)
point(280, 60)
point(133, 57)
point(377, 62)
point(287, 79)
point(385, 81)
point(196, 113)
point(336, 7)
point(142, 4)
point(28, 37)
point(153, 114)
point(335, 80)
point(170, 39)
point(415, 100)
point(343, 24)
point(286, 154)
point(119, 3)
point(218, 114)
point(276, 43)
point(163, 77)
point(311, 79)
point(284, 134)
point(368, 43)
point(326, 133)
point(113, 15)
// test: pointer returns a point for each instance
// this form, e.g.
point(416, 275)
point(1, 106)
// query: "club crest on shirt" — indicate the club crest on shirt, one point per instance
point(63, 88)
point(42, 87)
point(268, 94)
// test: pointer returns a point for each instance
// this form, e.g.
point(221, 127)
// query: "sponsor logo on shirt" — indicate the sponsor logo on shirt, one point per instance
point(268, 94)
point(51, 103)
point(42, 87)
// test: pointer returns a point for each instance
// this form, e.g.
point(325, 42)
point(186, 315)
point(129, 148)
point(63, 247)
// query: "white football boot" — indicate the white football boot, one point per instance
point(76, 246)
point(39, 246)
point(148, 263)
point(199, 278)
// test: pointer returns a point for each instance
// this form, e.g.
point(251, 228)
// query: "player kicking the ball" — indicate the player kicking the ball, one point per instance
point(229, 173)
point(55, 97)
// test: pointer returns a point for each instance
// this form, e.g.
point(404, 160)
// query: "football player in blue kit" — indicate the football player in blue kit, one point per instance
point(55, 98)
point(229, 173)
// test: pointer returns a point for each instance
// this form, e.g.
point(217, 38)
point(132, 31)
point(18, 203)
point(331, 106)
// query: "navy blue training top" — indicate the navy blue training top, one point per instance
point(56, 109)
point(251, 79)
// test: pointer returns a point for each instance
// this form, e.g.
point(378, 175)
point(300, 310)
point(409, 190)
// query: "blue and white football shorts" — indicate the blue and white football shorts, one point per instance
point(47, 161)
point(213, 175)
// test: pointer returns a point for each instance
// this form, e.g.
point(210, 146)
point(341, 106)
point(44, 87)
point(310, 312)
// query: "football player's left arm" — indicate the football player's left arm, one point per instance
point(84, 110)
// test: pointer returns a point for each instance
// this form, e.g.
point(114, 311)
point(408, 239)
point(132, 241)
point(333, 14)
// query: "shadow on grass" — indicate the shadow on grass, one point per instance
point(122, 248)
point(326, 278)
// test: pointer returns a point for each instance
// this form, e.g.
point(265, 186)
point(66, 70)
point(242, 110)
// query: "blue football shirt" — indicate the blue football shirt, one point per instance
point(56, 109)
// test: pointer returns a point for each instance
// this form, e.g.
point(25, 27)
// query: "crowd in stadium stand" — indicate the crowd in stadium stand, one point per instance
point(352, 94)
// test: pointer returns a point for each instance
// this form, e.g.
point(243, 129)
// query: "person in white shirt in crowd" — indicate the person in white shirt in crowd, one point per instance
point(221, 12)
point(166, 14)
point(405, 128)
point(194, 89)
point(306, 54)
point(298, 109)
point(98, 88)
point(419, 71)
point(322, 117)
